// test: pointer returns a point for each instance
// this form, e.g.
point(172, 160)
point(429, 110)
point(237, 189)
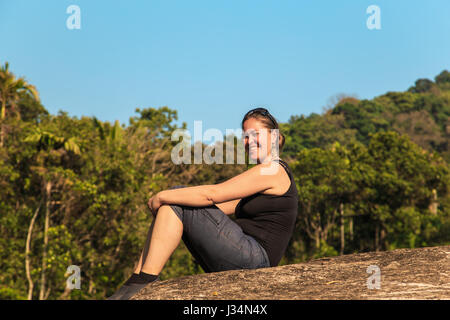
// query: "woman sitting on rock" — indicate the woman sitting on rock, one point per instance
point(264, 200)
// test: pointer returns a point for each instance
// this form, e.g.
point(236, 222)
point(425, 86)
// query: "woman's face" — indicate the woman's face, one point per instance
point(257, 140)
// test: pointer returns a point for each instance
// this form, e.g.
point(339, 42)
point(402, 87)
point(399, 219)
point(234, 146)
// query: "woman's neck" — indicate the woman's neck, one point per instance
point(269, 158)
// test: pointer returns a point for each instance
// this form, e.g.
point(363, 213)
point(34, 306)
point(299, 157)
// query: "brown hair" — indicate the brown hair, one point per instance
point(268, 120)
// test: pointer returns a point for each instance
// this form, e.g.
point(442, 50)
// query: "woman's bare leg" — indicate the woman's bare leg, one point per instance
point(144, 253)
point(166, 234)
point(163, 237)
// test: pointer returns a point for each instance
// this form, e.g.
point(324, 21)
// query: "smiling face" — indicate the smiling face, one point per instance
point(257, 140)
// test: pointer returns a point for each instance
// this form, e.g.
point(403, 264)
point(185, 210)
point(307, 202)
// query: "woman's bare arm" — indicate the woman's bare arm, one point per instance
point(228, 207)
point(245, 184)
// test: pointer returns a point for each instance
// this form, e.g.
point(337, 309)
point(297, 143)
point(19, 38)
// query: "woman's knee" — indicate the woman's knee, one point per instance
point(171, 209)
point(165, 208)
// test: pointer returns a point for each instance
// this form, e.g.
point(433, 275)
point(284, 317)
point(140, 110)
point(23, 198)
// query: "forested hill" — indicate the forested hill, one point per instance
point(422, 113)
point(372, 175)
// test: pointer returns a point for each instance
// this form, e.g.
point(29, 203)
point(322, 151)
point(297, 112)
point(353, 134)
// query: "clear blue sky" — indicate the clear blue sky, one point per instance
point(213, 60)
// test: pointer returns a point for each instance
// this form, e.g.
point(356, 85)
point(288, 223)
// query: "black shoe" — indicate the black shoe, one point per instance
point(116, 296)
point(134, 288)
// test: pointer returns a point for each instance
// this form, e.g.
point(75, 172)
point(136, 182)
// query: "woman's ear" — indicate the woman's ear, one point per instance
point(274, 136)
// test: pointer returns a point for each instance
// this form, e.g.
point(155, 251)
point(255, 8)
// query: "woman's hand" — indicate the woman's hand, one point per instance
point(154, 203)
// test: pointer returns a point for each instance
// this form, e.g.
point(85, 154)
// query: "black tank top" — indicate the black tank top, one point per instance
point(270, 219)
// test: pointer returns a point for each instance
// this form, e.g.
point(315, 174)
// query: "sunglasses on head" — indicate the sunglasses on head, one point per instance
point(264, 112)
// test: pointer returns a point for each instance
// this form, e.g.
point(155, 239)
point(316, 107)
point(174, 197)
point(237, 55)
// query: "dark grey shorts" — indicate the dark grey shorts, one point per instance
point(217, 242)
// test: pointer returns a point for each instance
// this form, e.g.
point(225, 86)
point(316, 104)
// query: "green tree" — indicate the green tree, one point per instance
point(315, 131)
point(324, 184)
point(405, 178)
point(443, 80)
point(50, 147)
point(10, 91)
point(422, 85)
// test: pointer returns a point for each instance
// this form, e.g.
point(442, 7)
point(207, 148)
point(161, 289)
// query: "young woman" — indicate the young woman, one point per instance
point(264, 200)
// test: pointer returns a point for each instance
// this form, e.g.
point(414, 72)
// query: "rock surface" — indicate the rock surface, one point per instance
point(422, 273)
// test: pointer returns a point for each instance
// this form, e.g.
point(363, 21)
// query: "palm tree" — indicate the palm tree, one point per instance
point(110, 136)
point(10, 90)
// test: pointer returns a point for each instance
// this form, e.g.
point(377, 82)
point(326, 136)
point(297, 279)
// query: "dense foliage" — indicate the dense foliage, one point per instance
point(371, 174)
